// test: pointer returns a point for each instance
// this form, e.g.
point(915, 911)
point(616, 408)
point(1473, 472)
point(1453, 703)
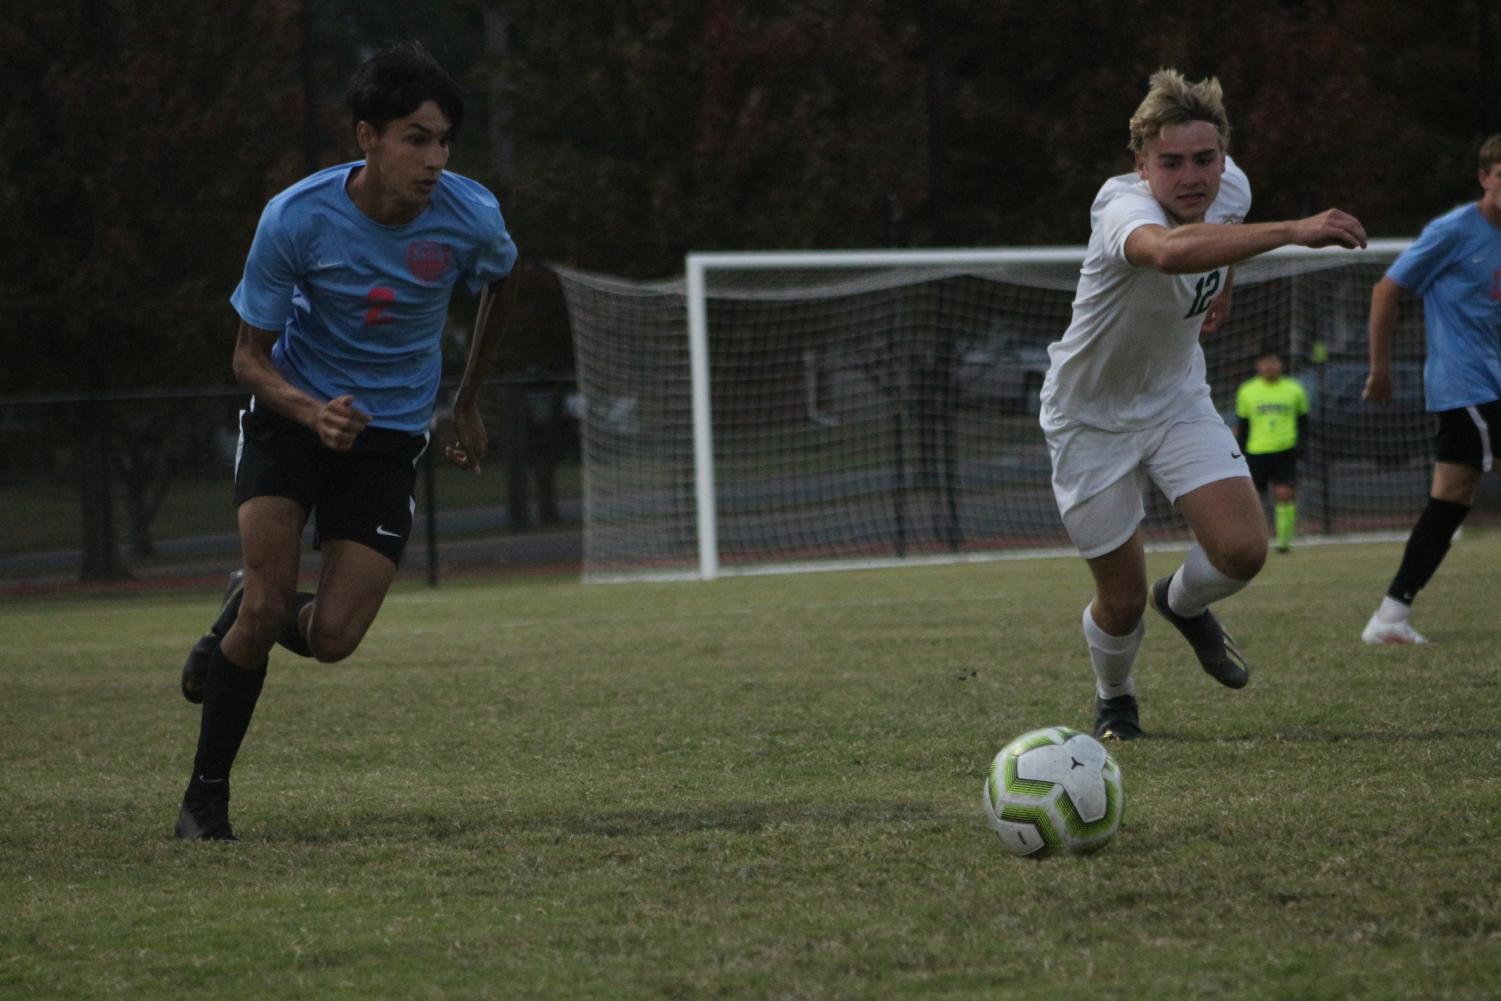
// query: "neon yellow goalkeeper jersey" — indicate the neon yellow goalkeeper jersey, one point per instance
point(1271, 411)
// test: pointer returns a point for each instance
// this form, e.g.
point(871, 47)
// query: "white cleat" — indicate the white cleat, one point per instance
point(1379, 633)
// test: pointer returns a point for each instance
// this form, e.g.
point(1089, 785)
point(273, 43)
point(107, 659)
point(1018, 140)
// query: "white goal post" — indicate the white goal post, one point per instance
point(878, 407)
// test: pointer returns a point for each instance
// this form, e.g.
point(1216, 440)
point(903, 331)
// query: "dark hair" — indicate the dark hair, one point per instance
point(394, 82)
point(1268, 352)
point(1490, 152)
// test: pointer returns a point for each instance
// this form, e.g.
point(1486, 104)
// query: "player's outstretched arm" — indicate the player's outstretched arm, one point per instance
point(471, 441)
point(1386, 298)
point(1204, 246)
point(337, 422)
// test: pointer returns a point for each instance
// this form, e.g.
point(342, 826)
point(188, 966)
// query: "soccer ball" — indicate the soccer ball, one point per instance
point(1054, 790)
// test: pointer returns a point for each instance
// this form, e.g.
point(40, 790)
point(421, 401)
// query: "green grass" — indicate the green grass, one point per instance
point(760, 788)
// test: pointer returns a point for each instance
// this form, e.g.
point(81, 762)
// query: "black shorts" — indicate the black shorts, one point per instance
point(364, 495)
point(1273, 467)
point(1468, 435)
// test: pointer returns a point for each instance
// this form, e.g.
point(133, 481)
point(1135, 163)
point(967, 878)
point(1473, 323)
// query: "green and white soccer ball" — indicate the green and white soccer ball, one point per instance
point(1054, 790)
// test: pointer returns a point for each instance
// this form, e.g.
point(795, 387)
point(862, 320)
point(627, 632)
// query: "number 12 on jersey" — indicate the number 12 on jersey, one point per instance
point(1204, 294)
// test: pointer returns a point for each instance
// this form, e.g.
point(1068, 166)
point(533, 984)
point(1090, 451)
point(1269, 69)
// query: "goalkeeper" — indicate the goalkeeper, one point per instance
point(1271, 426)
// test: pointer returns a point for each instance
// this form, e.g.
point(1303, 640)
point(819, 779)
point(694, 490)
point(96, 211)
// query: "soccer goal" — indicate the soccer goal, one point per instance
point(779, 411)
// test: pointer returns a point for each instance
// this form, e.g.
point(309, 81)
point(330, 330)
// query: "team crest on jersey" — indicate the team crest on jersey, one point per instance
point(429, 261)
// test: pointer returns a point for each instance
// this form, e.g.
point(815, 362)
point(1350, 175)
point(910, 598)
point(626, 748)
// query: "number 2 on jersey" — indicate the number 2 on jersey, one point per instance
point(380, 299)
point(1204, 294)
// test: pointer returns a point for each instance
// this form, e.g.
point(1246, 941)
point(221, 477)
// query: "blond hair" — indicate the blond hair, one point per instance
point(1172, 100)
point(1490, 152)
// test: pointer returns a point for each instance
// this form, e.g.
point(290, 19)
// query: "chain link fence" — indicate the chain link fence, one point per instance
point(139, 487)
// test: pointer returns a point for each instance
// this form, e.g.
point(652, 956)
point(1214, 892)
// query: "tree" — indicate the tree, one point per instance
point(133, 155)
point(647, 129)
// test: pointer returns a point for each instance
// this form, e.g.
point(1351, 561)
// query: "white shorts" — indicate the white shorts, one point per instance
point(1099, 476)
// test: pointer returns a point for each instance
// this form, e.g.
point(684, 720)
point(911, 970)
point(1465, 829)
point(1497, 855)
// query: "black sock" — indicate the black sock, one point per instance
point(1426, 548)
point(229, 696)
point(291, 634)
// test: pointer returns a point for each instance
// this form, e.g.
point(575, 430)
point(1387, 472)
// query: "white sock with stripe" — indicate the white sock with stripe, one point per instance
point(1111, 656)
point(1197, 585)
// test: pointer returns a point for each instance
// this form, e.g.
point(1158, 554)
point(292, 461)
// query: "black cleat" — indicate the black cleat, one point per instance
point(1116, 719)
point(205, 818)
point(1218, 655)
point(195, 671)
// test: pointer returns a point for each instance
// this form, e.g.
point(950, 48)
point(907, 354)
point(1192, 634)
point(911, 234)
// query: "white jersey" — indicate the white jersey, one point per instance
point(1131, 357)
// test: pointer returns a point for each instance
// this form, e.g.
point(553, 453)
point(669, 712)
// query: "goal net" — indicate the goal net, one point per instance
point(778, 411)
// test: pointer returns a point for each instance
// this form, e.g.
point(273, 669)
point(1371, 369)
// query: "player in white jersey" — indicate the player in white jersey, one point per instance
point(1125, 396)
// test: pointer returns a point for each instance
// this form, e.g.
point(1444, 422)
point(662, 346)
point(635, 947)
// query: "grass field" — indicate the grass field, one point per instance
point(760, 788)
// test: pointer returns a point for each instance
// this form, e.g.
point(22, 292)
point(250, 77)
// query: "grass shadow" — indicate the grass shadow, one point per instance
point(735, 818)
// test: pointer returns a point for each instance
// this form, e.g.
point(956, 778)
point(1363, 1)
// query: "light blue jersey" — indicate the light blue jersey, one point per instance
point(1455, 265)
point(361, 306)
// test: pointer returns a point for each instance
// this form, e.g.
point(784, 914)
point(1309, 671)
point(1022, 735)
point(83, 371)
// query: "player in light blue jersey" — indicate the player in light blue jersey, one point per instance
point(342, 308)
point(1455, 266)
point(359, 305)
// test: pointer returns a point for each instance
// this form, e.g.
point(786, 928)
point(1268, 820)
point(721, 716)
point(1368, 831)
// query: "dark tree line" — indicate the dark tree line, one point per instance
point(647, 129)
point(138, 140)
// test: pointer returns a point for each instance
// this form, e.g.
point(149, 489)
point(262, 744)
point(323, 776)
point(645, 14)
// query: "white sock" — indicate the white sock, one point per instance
point(1392, 611)
point(1112, 656)
point(1197, 585)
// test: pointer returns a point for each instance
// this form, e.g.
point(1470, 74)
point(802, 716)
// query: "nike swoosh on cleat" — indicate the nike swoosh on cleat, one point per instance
point(381, 530)
point(1235, 455)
